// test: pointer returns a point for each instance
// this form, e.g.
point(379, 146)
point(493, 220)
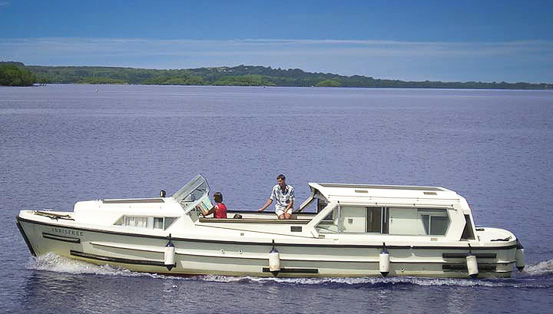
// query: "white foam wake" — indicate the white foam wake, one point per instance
point(56, 263)
point(539, 269)
point(378, 281)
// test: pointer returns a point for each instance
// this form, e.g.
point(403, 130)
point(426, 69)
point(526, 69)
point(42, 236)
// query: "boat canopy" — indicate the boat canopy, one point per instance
point(365, 193)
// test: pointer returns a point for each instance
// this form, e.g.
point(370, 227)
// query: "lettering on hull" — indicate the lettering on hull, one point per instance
point(64, 231)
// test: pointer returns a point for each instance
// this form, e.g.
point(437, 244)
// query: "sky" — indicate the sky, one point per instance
point(445, 40)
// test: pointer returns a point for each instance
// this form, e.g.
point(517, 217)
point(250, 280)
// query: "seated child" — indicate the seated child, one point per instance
point(219, 210)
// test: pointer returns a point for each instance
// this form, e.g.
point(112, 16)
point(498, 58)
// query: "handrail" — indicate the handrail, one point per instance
point(53, 215)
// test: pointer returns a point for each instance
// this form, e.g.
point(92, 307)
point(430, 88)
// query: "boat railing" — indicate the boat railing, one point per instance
point(133, 201)
point(407, 203)
point(54, 216)
point(256, 221)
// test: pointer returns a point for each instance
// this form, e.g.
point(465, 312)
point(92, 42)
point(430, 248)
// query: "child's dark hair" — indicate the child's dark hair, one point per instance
point(218, 197)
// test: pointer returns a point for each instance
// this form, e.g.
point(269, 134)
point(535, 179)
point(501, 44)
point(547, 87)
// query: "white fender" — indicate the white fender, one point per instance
point(384, 263)
point(169, 256)
point(274, 261)
point(472, 265)
point(520, 257)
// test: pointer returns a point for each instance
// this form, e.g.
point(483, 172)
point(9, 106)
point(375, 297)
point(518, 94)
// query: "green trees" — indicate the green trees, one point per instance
point(174, 80)
point(13, 75)
point(244, 80)
point(100, 80)
point(329, 83)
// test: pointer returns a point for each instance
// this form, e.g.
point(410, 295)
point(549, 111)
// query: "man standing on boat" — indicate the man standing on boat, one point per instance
point(283, 194)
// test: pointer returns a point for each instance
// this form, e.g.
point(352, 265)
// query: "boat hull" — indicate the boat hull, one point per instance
point(250, 257)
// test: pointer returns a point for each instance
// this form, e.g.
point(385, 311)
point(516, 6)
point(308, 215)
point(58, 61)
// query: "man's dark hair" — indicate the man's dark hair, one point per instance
point(218, 197)
point(281, 177)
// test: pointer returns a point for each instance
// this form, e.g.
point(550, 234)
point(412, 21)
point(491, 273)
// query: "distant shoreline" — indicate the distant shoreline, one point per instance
point(341, 87)
point(243, 76)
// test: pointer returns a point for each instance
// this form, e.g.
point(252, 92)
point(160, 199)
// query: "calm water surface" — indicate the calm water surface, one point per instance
point(64, 143)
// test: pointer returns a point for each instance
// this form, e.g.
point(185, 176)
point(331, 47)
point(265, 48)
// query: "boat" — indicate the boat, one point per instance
point(340, 230)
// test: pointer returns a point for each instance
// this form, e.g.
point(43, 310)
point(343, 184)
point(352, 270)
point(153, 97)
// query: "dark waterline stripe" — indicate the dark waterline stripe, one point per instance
point(60, 238)
point(463, 255)
point(117, 259)
point(294, 270)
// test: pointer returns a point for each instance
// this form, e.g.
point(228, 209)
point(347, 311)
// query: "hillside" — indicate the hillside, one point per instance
point(243, 76)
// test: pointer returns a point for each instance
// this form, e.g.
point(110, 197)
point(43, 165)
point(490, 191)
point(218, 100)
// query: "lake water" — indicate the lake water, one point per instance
point(63, 143)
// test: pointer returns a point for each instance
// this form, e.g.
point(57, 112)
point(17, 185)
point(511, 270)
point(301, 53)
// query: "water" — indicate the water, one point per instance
point(64, 143)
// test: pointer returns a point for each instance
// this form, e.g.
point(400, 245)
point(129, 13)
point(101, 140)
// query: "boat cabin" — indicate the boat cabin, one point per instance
point(390, 210)
point(331, 209)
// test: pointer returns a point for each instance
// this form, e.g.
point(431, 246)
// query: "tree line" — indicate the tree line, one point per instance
point(14, 74)
point(229, 76)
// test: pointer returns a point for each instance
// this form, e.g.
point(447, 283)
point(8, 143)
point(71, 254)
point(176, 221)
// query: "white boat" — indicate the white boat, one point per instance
point(341, 230)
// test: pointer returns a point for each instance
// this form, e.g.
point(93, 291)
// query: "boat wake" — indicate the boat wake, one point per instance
point(55, 263)
point(539, 269)
point(526, 279)
point(390, 282)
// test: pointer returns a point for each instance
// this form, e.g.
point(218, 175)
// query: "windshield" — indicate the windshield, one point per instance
point(194, 192)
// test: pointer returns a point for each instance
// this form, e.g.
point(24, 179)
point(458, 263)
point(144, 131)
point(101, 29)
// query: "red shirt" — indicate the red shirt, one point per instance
point(220, 211)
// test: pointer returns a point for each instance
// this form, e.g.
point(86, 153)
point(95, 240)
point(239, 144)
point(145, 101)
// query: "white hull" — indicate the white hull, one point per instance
point(299, 257)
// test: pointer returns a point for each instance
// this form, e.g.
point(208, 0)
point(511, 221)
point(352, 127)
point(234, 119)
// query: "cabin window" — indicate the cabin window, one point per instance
point(356, 219)
point(468, 234)
point(374, 219)
point(353, 219)
point(385, 220)
point(418, 221)
point(377, 219)
point(345, 219)
point(158, 222)
point(435, 221)
point(146, 222)
point(321, 204)
point(330, 223)
point(168, 221)
point(405, 221)
point(314, 204)
point(135, 221)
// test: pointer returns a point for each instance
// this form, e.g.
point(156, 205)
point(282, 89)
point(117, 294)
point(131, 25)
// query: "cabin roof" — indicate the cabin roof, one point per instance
point(339, 191)
point(381, 187)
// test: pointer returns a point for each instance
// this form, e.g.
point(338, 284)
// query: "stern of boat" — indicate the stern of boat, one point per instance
point(499, 251)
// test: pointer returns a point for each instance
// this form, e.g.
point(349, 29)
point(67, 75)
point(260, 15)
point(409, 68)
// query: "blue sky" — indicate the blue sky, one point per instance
point(410, 40)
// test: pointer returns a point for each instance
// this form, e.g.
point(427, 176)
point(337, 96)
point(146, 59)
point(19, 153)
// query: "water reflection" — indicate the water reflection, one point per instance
point(49, 292)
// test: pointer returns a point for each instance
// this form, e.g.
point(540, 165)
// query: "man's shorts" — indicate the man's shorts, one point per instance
point(280, 211)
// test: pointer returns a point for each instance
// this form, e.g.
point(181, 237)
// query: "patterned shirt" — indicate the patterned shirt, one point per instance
point(282, 198)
